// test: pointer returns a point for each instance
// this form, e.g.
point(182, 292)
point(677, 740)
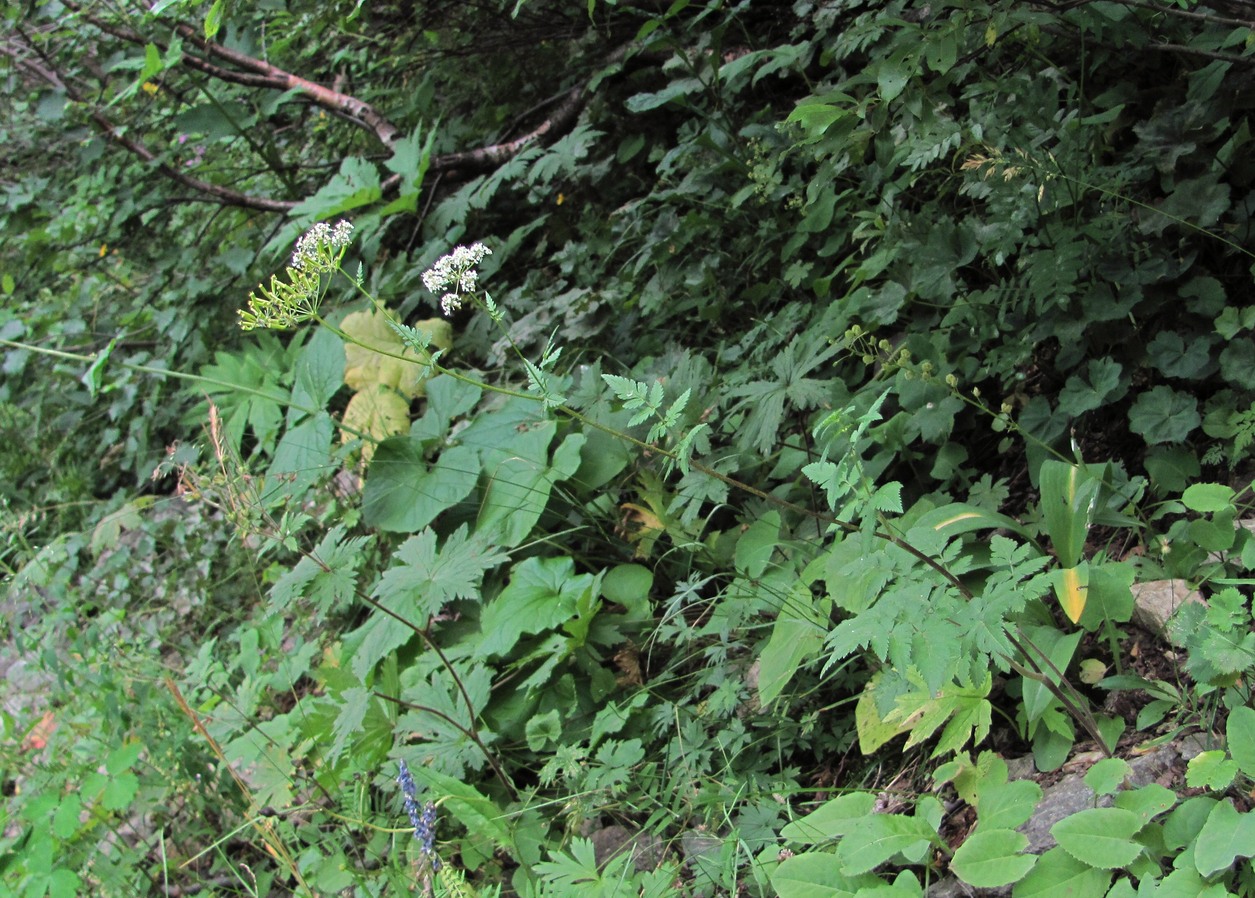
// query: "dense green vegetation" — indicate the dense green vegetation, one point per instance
point(440, 441)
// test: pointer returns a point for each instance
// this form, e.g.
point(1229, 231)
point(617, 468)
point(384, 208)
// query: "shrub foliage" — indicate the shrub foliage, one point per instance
point(795, 395)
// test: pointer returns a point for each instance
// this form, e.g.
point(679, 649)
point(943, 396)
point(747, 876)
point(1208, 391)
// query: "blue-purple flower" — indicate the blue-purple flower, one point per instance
point(424, 821)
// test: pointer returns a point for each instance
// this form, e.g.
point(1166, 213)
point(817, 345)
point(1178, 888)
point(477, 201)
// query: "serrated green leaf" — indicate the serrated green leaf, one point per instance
point(301, 456)
point(888, 497)
point(1103, 385)
point(1210, 770)
point(417, 585)
point(1163, 415)
point(991, 858)
point(410, 158)
point(1100, 837)
point(816, 875)
point(630, 391)
point(1226, 836)
point(152, 62)
point(1057, 873)
point(520, 481)
point(354, 704)
point(879, 838)
point(319, 371)
point(356, 184)
point(1186, 883)
point(1237, 363)
point(120, 791)
point(1006, 805)
point(1177, 357)
point(1147, 802)
point(65, 822)
point(1107, 775)
point(541, 594)
point(1109, 594)
point(63, 883)
point(541, 729)
point(1184, 824)
point(403, 493)
point(123, 757)
point(873, 729)
point(830, 820)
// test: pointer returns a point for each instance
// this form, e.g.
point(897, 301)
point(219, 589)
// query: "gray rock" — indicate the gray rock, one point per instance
point(1155, 601)
point(648, 851)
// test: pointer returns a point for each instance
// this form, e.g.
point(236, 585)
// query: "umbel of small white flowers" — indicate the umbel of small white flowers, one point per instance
point(284, 305)
point(456, 275)
point(321, 247)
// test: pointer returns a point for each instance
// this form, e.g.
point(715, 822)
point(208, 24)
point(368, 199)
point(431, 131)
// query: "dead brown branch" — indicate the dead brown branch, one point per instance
point(225, 64)
point(27, 57)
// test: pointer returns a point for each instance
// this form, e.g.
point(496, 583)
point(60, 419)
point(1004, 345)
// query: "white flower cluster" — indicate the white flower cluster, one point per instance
point(317, 249)
point(456, 275)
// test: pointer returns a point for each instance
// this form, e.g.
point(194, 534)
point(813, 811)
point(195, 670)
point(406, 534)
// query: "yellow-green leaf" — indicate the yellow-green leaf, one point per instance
point(382, 358)
point(873, 731)
point(374, 413)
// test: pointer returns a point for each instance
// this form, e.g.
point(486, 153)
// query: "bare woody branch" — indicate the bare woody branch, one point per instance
point(257, 73)
point(240, 68)
point(25, 57)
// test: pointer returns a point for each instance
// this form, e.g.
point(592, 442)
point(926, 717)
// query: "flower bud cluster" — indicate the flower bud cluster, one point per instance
point(285, 304)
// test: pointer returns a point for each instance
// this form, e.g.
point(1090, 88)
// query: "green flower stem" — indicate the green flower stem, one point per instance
point(88, 358)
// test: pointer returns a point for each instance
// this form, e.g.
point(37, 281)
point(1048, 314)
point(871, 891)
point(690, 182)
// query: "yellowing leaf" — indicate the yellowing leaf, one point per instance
point(641, 526)
point(1092, 670)
point(383, 358)
point(376, 412)
point(873, 730)
point(1072, 588)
